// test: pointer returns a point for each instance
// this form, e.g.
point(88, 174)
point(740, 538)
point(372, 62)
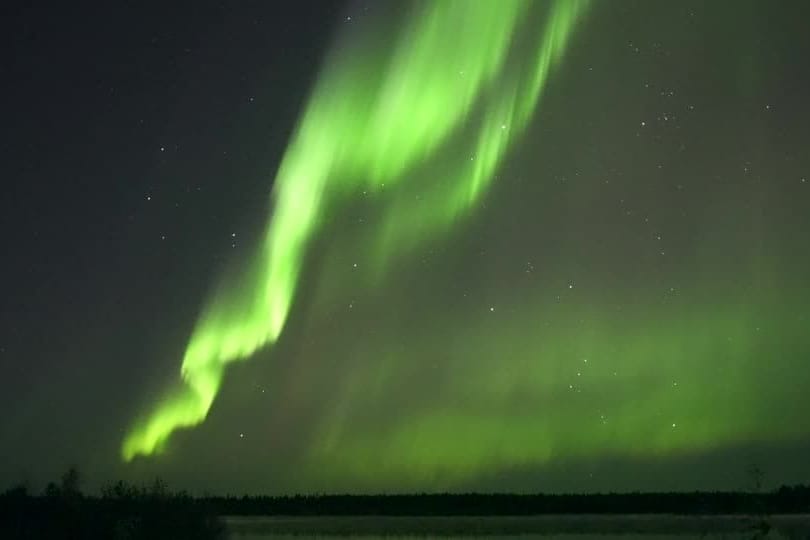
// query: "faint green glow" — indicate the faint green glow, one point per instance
point(368, 124)
point(512, 395)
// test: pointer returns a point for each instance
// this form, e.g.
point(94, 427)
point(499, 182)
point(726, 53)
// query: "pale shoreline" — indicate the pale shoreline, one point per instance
point(790, 525)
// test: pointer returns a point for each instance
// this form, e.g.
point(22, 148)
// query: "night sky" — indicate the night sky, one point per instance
point(260, 247)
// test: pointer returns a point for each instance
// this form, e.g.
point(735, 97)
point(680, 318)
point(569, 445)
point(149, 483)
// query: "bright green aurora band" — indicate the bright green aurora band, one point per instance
point(367, 124)
point(486, 366)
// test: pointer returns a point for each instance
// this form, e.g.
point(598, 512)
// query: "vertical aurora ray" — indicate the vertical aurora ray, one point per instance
point(452, 69)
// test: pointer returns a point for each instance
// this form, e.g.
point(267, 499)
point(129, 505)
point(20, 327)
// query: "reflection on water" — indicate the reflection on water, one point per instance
point(464, 537)
point(467, 537)
point(629, 536)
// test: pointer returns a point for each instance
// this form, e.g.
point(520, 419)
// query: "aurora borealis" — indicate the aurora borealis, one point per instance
point(422, 245)
point(366, 125)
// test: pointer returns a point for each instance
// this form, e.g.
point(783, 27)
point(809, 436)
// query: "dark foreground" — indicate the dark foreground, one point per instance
point(123, 511)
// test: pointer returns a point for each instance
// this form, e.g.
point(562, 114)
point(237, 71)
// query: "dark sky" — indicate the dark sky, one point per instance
point(622, 306)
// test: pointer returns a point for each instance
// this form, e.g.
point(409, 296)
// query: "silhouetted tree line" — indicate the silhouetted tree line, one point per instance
point(126, 511)
point(785, 500)
point(122, 512)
